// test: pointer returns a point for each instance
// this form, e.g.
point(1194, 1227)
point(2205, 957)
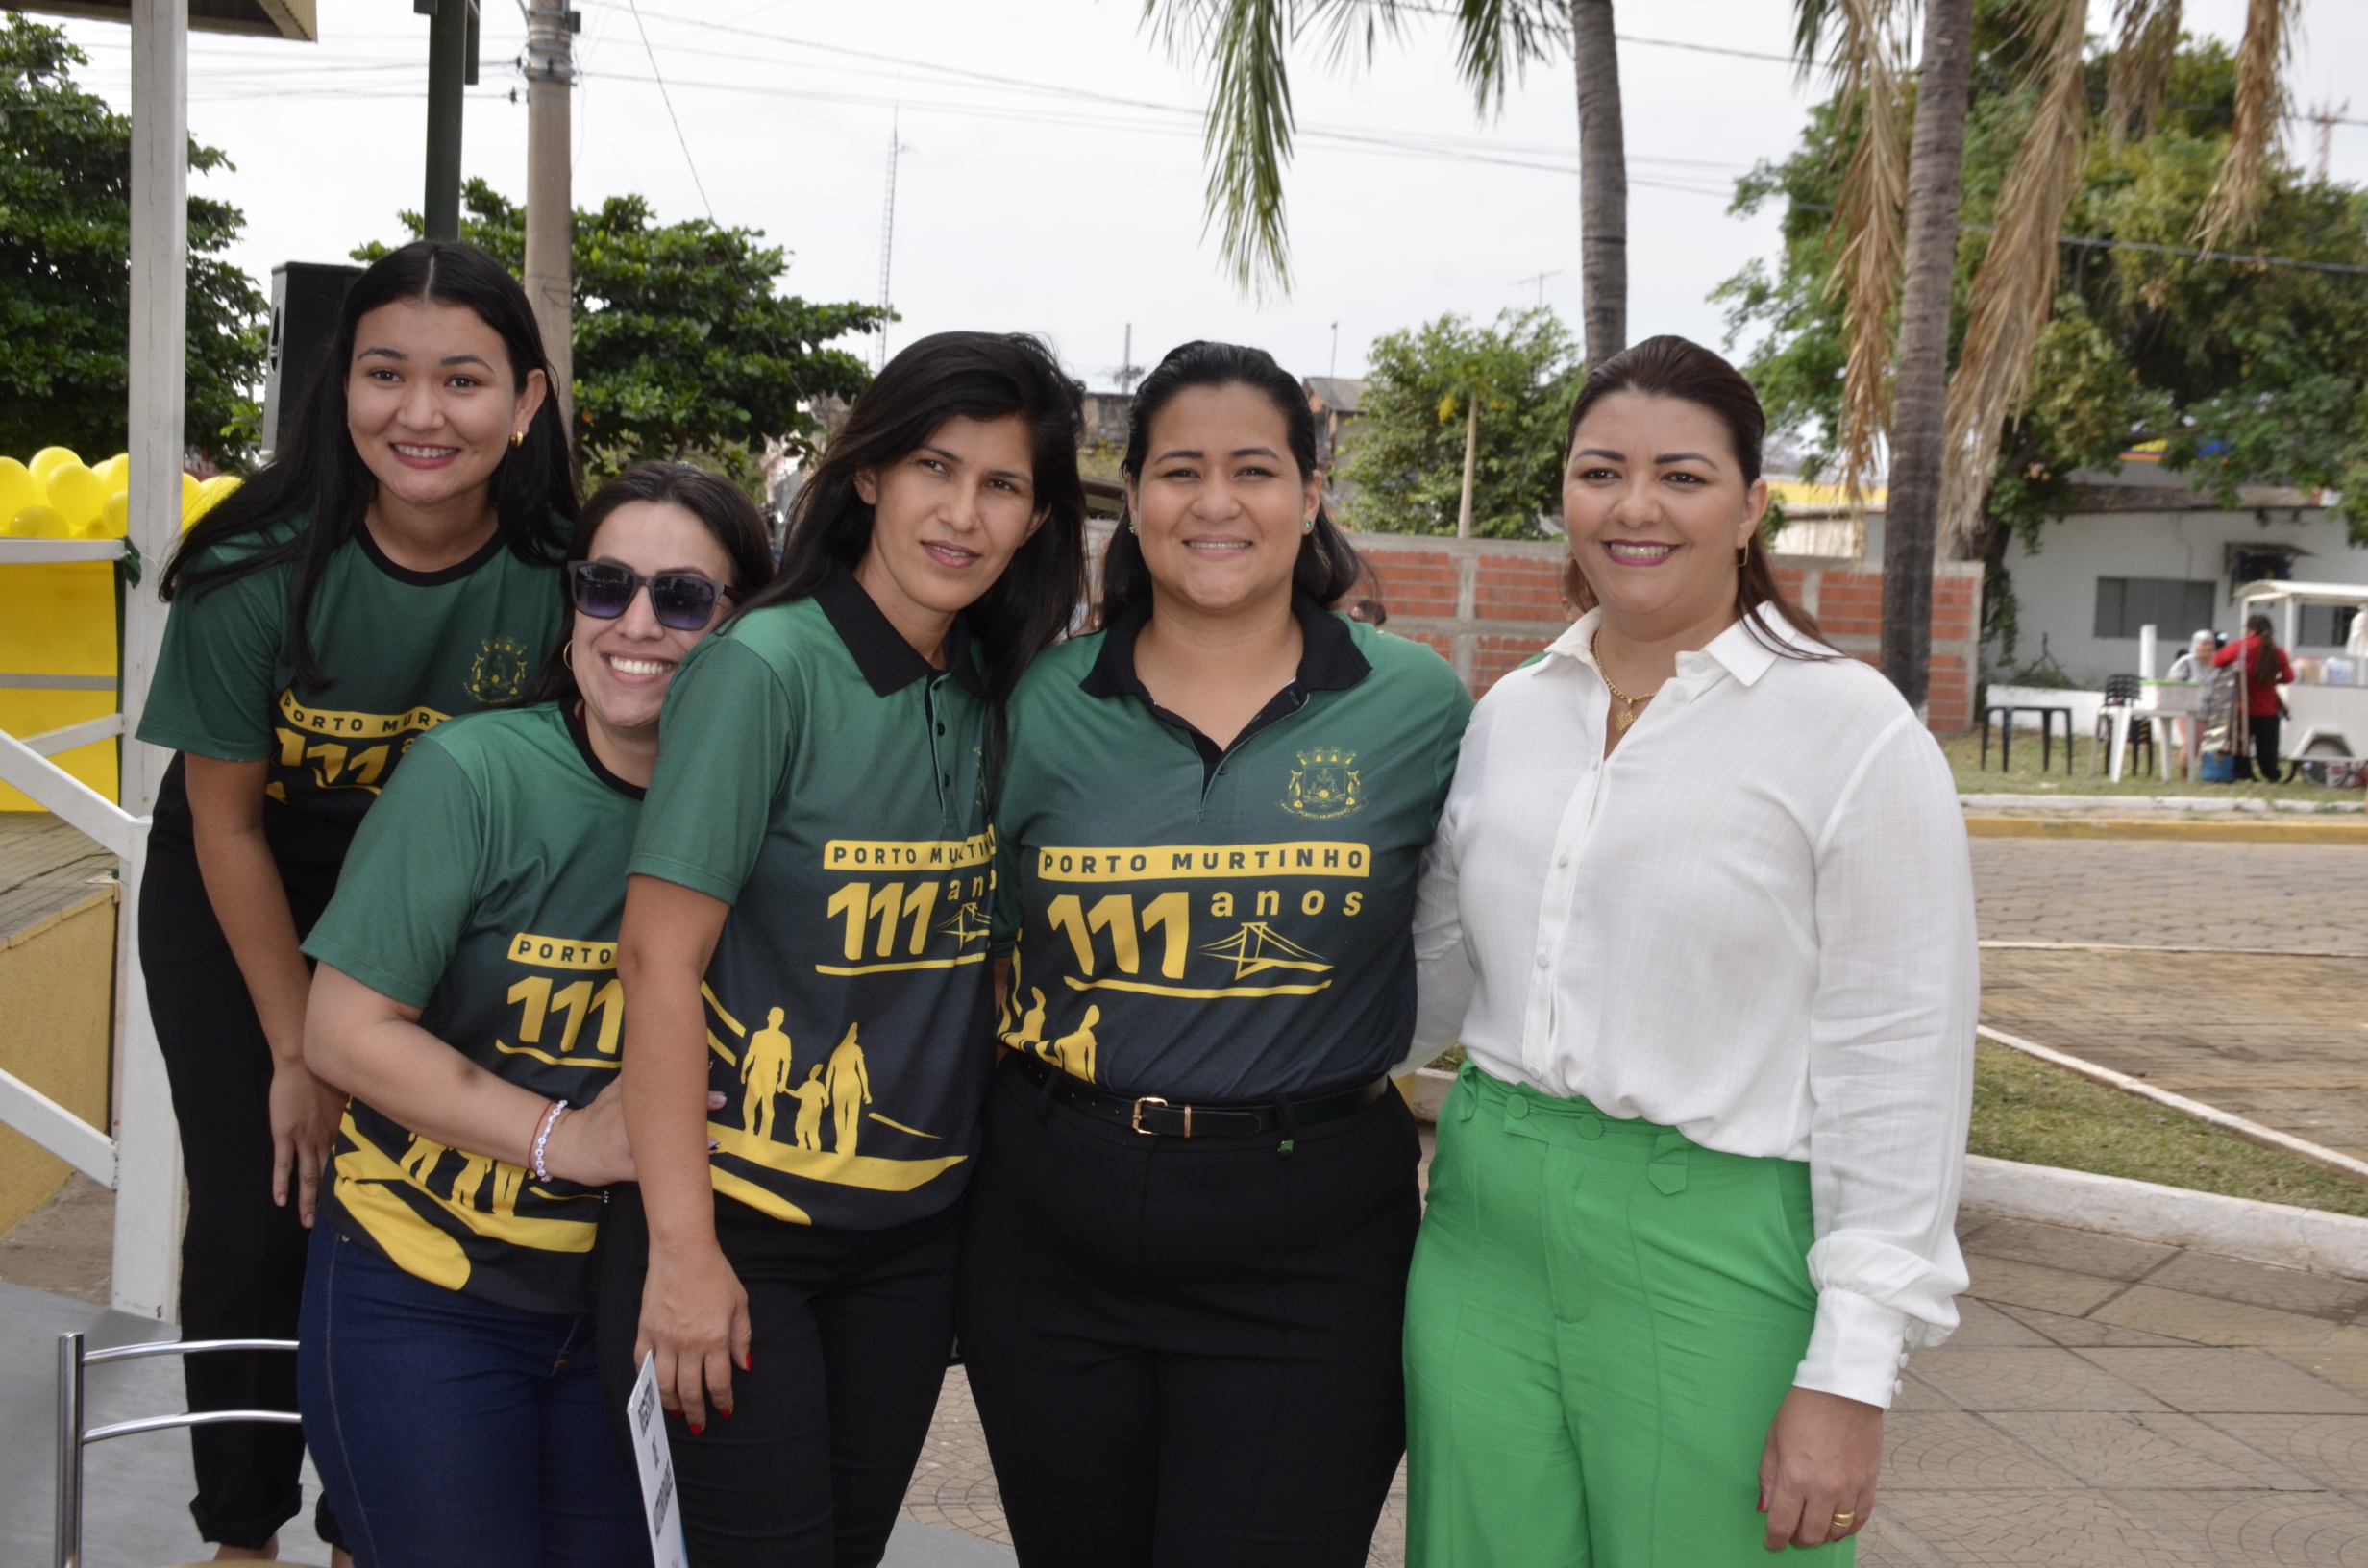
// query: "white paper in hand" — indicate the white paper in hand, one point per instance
point(656, 1462)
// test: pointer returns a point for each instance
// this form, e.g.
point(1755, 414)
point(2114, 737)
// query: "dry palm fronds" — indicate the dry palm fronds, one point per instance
point(2235, 198)
point(2015, 288)
point(1871, 220)
point(2145, 40)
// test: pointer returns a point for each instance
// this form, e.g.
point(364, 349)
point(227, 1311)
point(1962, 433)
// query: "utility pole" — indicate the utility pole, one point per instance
point(888, 233)
point(551, 74)
point(451, 64)
point(1472, 458)
point(1129, 372)
point(1333, 370)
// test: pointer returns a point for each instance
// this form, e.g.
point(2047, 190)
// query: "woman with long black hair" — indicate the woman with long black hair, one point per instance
point(806, 933)
point(394, 567)
point(2266, 668)
point(1185, 1260)
point(467, 998)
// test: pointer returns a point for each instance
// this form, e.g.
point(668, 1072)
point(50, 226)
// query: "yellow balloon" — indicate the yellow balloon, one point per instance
point(115, 518)
point(116, 471)
point(209, 494)
point(77, 493)
point(18, 489)
point(39, 522)
point(52, 457)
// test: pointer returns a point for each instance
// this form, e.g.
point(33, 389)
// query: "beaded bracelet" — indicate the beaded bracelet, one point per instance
point(542, 1137)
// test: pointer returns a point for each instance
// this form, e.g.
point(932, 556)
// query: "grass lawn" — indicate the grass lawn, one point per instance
point(2033, 1112)
point(1965, 753)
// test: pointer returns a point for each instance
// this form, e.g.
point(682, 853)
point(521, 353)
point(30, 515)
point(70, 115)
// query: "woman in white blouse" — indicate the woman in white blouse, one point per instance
point(1701, 912)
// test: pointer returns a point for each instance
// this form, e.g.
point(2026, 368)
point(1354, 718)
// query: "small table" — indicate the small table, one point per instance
point(2004, 714)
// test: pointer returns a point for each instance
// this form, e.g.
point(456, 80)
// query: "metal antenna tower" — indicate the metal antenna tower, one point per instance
point(888, 230)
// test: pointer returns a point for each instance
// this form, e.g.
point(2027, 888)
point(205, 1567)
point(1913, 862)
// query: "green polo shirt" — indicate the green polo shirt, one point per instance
point(402, 651)
point(1214, 924)
point(486, 890)
point(823, 779)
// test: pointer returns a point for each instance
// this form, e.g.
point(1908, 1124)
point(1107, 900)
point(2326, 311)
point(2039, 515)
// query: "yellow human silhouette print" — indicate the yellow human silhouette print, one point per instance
point(474, 1170)
point(1030, 1035)
point(420, 1159)
point(764, 1069)
point(848, 1084)
point(811, 1097)
point(1075, 1051)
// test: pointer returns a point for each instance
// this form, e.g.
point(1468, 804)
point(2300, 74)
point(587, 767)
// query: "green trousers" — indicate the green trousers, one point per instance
point(1602, 1319)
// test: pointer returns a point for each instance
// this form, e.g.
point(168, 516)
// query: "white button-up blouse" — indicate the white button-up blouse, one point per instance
point(1752, 922)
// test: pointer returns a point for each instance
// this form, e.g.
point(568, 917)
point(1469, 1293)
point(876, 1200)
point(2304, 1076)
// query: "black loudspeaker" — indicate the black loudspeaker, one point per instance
point(305, 300)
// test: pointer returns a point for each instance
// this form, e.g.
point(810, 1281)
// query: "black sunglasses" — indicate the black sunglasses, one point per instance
point(604, 590)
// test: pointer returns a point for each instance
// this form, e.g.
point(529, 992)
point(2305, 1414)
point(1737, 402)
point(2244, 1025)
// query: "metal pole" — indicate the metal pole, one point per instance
point(147, 1252)
point(551, 74)
point(448, 63)
point(1471, 453)
point(69, 1538)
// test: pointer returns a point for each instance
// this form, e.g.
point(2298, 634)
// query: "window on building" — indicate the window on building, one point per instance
point(2172, 607)
point(2324, 625)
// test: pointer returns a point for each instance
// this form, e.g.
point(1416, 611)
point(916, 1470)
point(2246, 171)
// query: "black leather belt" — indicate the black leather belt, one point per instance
point(1154, 1118)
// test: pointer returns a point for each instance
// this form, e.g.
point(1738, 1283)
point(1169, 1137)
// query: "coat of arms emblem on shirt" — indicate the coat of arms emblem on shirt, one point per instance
point(500, 670)
point(1325, 784)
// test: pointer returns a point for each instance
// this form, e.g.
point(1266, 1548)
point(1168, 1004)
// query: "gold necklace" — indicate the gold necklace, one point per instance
point(1627, 715)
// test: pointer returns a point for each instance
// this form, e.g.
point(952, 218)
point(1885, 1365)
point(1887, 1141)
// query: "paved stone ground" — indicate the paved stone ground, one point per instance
point(2287, 897)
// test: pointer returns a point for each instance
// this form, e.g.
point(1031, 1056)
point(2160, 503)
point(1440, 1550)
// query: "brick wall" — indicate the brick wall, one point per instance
point(1487, 604)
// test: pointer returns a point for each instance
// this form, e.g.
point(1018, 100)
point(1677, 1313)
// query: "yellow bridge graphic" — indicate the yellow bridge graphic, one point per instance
point(1258, 948)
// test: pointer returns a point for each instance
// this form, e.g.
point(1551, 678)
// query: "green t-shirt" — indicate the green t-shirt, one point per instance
point(1214, 924)
point(402, 651)
point(819, 777)
point(485, 890)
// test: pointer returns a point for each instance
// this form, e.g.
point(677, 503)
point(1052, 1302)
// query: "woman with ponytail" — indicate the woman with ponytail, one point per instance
point(394, 566)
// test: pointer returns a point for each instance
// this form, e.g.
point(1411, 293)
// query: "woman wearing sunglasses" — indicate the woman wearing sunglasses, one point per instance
point(467, 999)
point(392, 566)
point(805, 931)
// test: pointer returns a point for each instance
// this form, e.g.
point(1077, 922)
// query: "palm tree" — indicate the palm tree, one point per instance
point(1246, 143)
point(1944, 430)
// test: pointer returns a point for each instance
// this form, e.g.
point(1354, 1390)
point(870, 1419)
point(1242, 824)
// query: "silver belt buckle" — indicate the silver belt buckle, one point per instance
point(1136, 1120)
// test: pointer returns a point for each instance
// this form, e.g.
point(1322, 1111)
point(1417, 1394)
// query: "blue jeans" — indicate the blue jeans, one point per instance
point(450, 1432)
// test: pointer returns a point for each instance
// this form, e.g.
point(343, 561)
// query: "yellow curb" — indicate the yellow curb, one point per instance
point(2194, 832)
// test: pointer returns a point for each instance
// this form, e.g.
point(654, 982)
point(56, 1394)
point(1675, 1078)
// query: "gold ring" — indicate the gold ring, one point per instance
point(1841, 1521)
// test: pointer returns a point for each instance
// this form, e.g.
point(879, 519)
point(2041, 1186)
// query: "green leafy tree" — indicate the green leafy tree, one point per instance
point(2248, 371)
point(66, 278)
point(1406, 456)
point(683, 348)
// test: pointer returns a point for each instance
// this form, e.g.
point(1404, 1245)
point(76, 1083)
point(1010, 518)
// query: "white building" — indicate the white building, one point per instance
point(2143, 547)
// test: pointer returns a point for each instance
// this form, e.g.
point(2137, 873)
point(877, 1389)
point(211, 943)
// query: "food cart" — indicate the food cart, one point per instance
point(2329, 699)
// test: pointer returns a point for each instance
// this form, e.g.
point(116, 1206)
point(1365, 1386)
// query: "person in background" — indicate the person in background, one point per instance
point(395, 564)
point(2266, 668)
point(2193, 665)
point(467, 999)
point(805, 932)
point(1184, 1267)
point(1701, 914)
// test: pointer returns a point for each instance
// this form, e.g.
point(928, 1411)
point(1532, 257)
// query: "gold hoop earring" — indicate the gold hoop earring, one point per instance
point(1743, 555)
point(567, 654)
point(517, 438)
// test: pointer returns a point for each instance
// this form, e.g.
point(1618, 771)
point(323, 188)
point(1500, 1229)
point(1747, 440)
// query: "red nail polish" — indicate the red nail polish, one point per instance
point(748, 1360)
point(726, 1415)
point(696, 1431)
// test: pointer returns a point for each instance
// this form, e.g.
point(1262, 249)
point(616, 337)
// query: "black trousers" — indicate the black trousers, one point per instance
point(1187, 1353)
point(850, 1331)
point(242, 1256)
point(2264, 761)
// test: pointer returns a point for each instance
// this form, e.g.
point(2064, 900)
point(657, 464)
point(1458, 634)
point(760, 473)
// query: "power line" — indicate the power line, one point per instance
point(668, 98)
point(2102, 244)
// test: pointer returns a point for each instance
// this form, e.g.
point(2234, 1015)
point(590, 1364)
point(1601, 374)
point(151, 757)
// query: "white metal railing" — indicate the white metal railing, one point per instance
point(137, 1155)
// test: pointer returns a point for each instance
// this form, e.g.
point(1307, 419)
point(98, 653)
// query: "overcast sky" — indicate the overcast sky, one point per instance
point(1050, 179)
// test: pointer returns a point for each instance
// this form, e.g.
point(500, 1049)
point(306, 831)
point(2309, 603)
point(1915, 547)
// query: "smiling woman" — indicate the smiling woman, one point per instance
point(1184, 1264)
point(1699, 872)
point(804, 940)
point(394, 567)
point(451, 1290)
